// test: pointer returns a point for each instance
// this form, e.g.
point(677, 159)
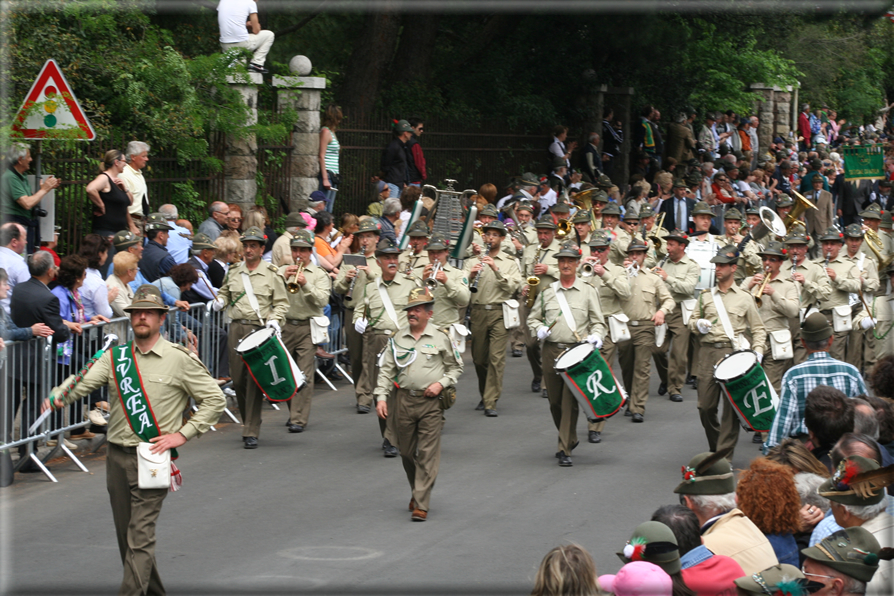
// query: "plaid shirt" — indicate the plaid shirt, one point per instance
point(801, 379)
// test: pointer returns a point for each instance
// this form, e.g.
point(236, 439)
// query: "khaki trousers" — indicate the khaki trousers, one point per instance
point(775, 369)
point(608, 350)
point(798, 348)
point(562, 404)
point(298, 343)
point(679, 351)
point(636, 362)
point(839, 344)
point(248, 395)
point(355, 348)
point(722, 434)
point(532, 347)
point(418, 428)
point(373, 343)
point(134, 511)
point(517, 335)
point(489, 338)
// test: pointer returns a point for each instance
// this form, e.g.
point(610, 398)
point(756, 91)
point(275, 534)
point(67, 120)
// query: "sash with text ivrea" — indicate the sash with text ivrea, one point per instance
point(133, 396)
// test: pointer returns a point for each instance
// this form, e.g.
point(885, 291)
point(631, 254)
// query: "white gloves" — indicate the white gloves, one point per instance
point(360, 326)
point(595, 340)
point(704, 326)
point(543, 332)
point(760, 357)
point(273, 324)
point(218, 304)
point(867, 323)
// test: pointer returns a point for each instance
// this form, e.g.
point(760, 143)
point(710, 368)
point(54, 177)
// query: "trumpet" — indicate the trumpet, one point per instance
point(431, 282)
point(760, 291)
point(533, 281)
point(292, 285)
point(586, 270)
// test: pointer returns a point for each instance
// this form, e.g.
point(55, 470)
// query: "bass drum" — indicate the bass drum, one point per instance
point(748, 389)
point(270, 365)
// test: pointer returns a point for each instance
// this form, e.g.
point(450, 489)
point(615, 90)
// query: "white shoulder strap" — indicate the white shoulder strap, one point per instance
point(563, 304)
point(386, 301)
point(250, 294)
point(722, 315)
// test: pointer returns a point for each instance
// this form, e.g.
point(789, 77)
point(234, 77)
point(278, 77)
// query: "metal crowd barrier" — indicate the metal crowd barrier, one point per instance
point(29, 370)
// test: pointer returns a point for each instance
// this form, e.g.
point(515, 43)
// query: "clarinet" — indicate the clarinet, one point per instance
point(474, 286)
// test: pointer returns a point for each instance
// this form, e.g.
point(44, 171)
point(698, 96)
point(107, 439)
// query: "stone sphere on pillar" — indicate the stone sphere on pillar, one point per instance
point(300, 66)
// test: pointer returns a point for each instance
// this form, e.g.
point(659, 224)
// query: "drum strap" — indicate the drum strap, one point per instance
point(386, 301)
point(722, 315)
point(252, 299)
point(566, 310)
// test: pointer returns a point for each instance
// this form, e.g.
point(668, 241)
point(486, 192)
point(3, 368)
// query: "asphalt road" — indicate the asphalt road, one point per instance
point(323, 511)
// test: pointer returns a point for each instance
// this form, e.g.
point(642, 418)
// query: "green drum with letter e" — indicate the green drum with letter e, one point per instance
point(748, 389)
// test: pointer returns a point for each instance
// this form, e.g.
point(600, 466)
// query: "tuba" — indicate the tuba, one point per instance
point(564, 228)
point(875, 244)
point(802, 205)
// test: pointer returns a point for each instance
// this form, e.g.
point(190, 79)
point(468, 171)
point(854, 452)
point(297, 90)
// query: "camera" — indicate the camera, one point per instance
point(39, 212)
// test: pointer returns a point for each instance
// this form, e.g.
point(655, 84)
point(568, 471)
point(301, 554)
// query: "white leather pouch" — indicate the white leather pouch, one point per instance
point(841, 318)
point(511, 318)
point(153, 469)
point(660, 334)
point(319, 330)
point(458, 333)
point(687, 306)
point(617, 327)
point(781, 344)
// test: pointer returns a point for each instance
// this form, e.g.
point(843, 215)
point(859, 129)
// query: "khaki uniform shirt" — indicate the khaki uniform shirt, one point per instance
point(269, 288)
point(342, 283)
point(450, 297)
point(416, 262)
point(816, 287)
point(617, 251)
point(313, 296)
point(742, 313)
point(864, 248)
point(436, 362)
point(497, 286)
point(546, 257)
point(847, 280)
point(398, 291)
point(135, 182)
point(784, 304)
point(648, 294)
point(281, 253)
point(170, 376)
point(749, 261)
point(681, 278)
point(582, 298)
point(868, 268)
point(613, 288)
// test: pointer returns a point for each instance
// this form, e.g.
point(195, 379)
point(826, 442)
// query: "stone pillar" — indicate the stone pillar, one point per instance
point(784, 105)
point(619, 99)
point(241, 154)
point(302, 94)
point(765, 110)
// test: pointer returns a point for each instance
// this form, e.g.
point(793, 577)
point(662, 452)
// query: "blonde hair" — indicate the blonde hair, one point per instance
point(224, 245)
point(253, 218)
point(123, 262)
point(566, 571)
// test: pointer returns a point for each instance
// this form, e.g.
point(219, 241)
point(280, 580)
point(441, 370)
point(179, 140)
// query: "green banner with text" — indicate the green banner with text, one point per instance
point(864, 163)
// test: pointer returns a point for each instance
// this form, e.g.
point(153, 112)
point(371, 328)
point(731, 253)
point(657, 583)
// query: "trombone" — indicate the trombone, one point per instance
point(292, 285)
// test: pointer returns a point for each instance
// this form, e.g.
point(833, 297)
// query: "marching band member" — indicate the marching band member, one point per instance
point(629, 228)
point(350, 283)
point(613, 287)
point(263, 302)
point(486, 214)
point(423, 364)
point(649, 304)
point(845, 278)
point(539, 261)
point(414, 258)
point(784, 205)
point(451, 293)
point(611, 219)
point(582, 225)
point(680, 274)
point(308, 302)
point(749, 260)
point(525, 213)
point(814, 285)
point(872, 218)
point(701, 223)
point(861, 343)
point(779, 304)
point(721, 315)
point(550, 320)
point(497, 280)
point(647, 218)
point(378, 317)
point(598, 202)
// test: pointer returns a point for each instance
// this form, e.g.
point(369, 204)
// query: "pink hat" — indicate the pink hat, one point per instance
point(310, 220)
point(638, 579)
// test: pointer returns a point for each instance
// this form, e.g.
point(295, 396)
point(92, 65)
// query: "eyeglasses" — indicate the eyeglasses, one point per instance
point(235, 219)
point(772, 259)
point(599, 249)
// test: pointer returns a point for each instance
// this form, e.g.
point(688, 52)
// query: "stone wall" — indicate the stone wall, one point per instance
point(774, 108)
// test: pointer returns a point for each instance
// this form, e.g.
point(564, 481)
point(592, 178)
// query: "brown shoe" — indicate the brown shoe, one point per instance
point(412, 504)
point(102, 405)
point(419, 515)
point(86, 435)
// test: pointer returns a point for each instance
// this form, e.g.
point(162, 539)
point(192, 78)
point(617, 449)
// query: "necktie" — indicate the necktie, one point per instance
point(680, 215)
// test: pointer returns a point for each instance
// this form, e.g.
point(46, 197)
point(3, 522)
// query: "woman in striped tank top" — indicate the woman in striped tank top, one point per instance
point(329, 149)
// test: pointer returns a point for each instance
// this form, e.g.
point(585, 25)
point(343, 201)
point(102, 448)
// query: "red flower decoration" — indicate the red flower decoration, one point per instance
point(840, 235)
point(265, 236)
point(784, 251)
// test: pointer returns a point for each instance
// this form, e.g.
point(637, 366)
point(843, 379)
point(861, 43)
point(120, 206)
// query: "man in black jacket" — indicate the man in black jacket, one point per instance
point(156, 260)
point(395, 164)
point(678, 206)
point(33, 302)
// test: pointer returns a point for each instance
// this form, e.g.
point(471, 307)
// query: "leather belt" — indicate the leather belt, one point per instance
point(488, 306)
point(640, 323)
point(563, 346)
point(719, 346)
point(414, 392)
point(297, 322)
point(131, 450)
point(382, 331)
point(828, 312)
point(247, 321)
